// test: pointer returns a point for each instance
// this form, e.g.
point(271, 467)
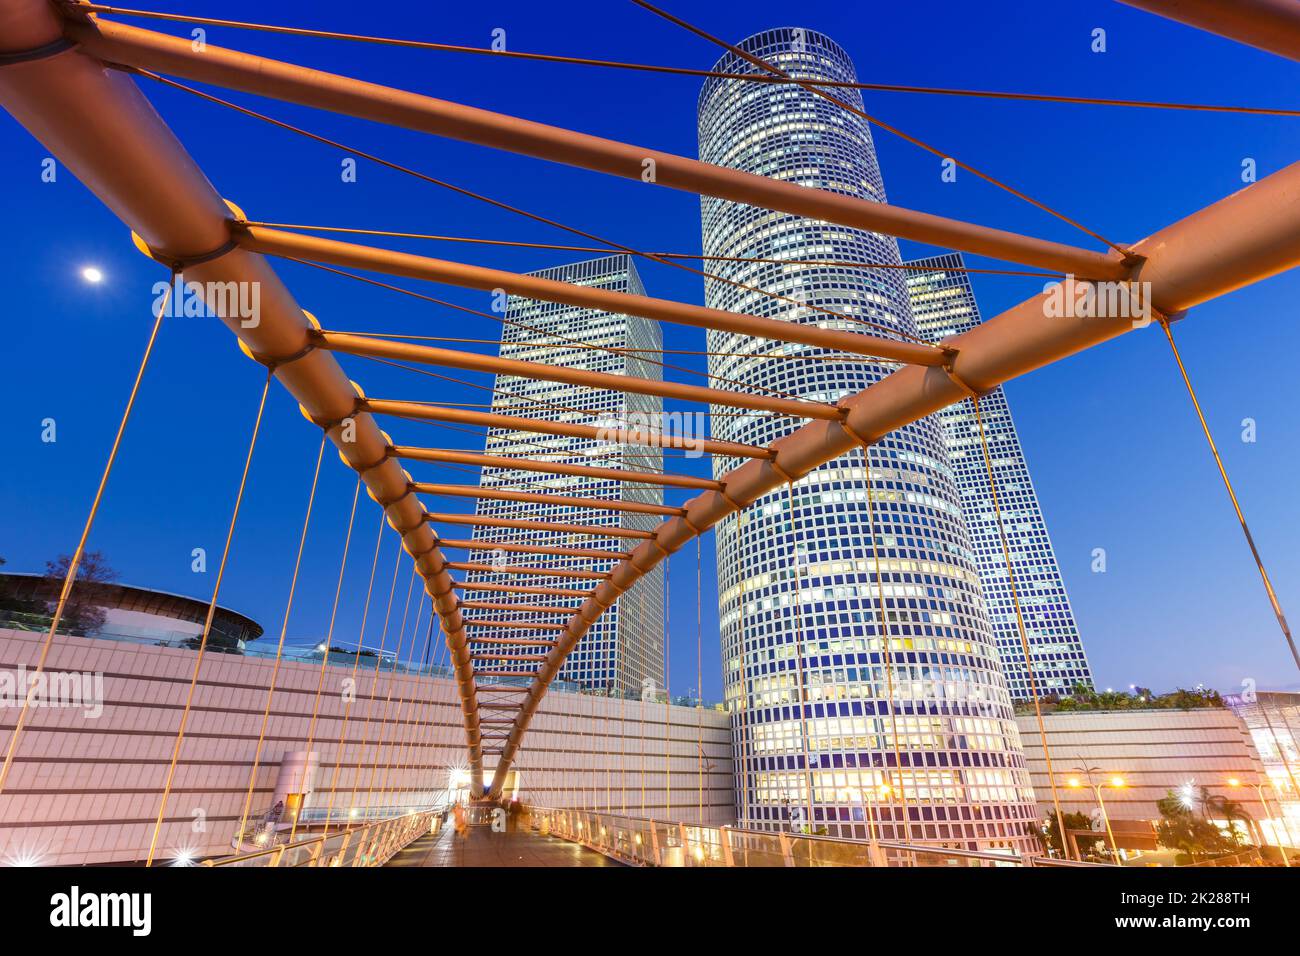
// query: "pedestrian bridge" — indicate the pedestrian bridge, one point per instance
point(546, 837)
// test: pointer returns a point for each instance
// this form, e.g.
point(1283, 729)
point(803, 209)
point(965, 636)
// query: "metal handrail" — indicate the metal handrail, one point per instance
point(717, 844)
point(373, 844)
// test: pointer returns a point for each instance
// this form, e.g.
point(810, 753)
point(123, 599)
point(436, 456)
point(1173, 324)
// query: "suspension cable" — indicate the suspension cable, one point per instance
point(279, 647)
point(699, 670)
point(374, 679)
point(207, 624)
point(1232, 495)
point(350, 698)
point(886, 641)
point(74, 563)
point(1020, 624)
point(383, 721)
point(679, 70)
point(567, 340)
point(325, 655)
point(812, 86)
point(616, 246)
point(668, 697)
point(802, 695)
point(703, 257)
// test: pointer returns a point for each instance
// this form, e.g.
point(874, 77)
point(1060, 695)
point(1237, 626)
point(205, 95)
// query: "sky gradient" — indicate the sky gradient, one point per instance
point(1115, 451)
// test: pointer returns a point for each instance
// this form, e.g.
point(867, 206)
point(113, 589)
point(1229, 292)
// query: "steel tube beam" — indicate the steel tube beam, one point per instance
point(516, 569)
point(467, 545)
point(501, 494)
point(1248, 236)
point(518, 589)
point(417, 411)
point(118, 43)
point(101, 128)
point(474, 362)
point(1272, 25)
point(349, 254)
point(527, 608)
point(452, 456)
point(519, 641)
point(525, 625)
point(596, 530)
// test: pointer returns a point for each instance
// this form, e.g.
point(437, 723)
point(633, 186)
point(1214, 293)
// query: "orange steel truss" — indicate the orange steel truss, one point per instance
point(97, 122)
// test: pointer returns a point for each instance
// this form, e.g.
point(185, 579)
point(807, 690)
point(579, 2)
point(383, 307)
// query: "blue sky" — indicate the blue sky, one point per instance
point(1115, 451)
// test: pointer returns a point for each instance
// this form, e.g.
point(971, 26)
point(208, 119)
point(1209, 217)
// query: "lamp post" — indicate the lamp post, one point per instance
point(1259, 789)
point(1116, 783)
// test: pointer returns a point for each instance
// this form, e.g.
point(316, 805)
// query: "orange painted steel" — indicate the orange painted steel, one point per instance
point(453, 456)
point(518, 569)
point(145, 49)
point(519, 589)
point(516, 641)
point(124, 153)
point(468, 545)
point(596, 530)
point(541, 609)
point(614, 435)
point(526, 625)
point(473, 361)
point(100, 127)
point(1248, 236)
point(565, 501)
point(1272, 25)
point(319, 249)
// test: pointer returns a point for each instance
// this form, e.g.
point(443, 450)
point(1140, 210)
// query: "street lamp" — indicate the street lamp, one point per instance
point(1115, 783)
point(1259, 789)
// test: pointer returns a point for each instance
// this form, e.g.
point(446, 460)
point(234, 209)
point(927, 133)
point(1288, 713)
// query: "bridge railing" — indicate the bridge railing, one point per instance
point(647, 842)
point(373, 844)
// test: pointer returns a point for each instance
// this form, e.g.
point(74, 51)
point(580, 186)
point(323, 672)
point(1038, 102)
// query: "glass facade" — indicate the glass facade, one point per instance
point(822, 725)
point(943, 304)
point(625, 645)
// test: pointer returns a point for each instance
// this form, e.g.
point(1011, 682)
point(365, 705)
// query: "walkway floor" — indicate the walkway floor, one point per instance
point(482, 847)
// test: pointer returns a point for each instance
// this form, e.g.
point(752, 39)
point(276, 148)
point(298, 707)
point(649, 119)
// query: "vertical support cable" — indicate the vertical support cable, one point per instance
point(374, 677)
point(798, 656)
point(329, 640)
point(699, 671)
point(1232, 495)
point(668, 630)
point(886, 640)
point(1020, 626)
point(279, 647)
point(399, 734)
point(356, 665)
point(743, 703)
point(207, 624)
point(75, 562)
point(383, 721)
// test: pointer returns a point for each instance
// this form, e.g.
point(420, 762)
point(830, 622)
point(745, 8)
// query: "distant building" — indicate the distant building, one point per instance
point(1273, 719)
point(1154, 753)
point(825, 712)
point(624, 648)
point(943, 304)
point(141, 615)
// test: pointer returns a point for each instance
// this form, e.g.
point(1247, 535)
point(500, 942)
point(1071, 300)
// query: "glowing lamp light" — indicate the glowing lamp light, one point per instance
point(1234, 782)
point(699, 853)
point(638, 839)
point(1117, 783)
point(1074, 782)
point(92, 274)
